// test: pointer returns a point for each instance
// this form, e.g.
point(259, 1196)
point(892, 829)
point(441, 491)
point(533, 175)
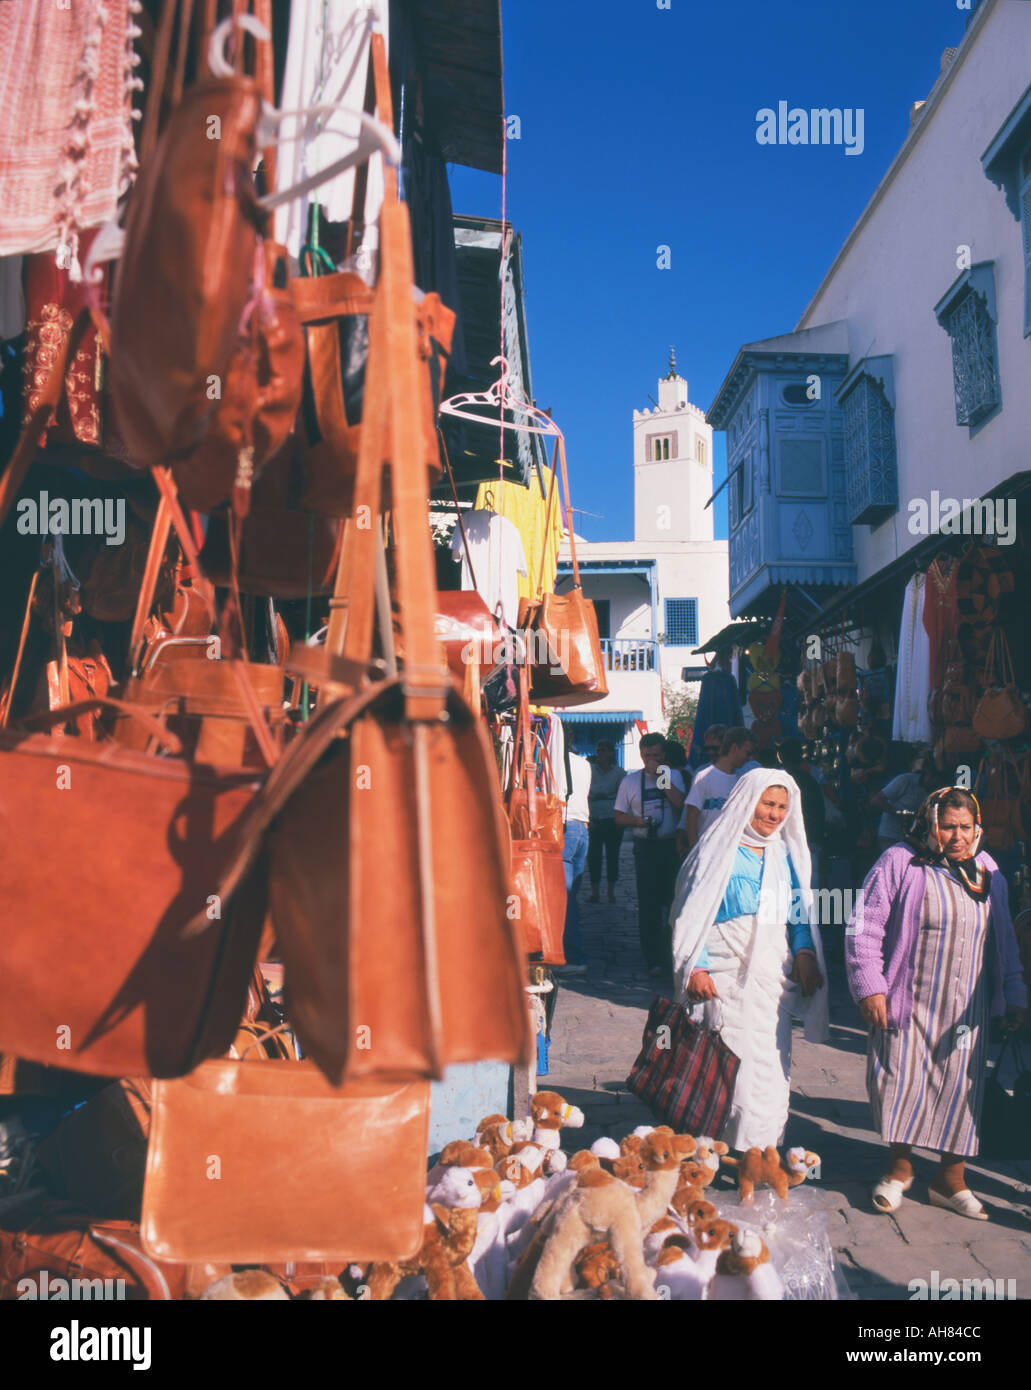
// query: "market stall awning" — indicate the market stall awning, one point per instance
point(462, 93)
point(475, 449)
point(734, 635)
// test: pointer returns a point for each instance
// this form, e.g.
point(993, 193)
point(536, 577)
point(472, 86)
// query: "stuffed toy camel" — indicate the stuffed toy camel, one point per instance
point(497, 1134)
point(599, 1208)
point(449, 1235)
point(744, 1271)
point(766, 1168)
point(550, 1113)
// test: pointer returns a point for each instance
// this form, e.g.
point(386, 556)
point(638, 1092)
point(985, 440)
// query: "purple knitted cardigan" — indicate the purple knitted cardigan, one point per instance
point(881, 937)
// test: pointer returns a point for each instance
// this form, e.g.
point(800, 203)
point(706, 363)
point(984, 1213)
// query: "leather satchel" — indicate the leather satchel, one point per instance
point(567, 663)
point(186, 273)
point(538, 868)
point(56, 1241)
point(108, 854)
point(1000, 711)
point(535, 810)
point(465, 627)
point(341, 1172)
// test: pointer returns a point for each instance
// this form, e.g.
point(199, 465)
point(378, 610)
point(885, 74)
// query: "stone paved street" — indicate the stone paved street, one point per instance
point(596, 1034)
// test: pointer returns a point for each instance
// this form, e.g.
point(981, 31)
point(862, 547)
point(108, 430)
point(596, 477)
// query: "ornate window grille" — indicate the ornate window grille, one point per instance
point(681, 622)
point(968, 315)
point(871, 466)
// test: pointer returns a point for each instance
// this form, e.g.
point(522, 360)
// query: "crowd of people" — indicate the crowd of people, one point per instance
point(725, 862)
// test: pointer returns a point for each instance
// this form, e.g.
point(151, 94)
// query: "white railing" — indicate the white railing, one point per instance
point(630, 654)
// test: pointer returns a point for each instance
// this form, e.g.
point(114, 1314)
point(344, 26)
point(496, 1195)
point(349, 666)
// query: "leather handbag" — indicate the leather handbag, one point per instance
point(399, 957)
point(1000, 711)
point(846, 711)
point(465, 627)
point(539, 890)
point(259, 399)
point(285, 550)
point(57, 1241)
point(567, 664)
point(341, 1171)
point(999, 787)
point(961, 740)
point(187, 270)
point(535, 809)
point(96, 835)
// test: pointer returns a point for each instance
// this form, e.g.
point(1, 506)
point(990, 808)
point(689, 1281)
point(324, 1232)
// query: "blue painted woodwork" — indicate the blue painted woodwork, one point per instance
point(867, 397)
point(968, 313)
point(788, 503)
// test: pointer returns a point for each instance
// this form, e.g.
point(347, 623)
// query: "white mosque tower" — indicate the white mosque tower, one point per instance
point(672, 466)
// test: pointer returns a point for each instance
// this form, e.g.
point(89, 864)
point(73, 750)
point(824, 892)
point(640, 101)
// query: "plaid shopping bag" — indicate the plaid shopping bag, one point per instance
point(684, 1072)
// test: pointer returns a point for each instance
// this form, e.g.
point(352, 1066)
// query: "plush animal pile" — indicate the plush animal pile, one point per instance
point(512, 1215)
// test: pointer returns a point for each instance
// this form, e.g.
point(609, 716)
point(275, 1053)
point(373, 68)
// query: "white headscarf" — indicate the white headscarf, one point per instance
point(705, 873)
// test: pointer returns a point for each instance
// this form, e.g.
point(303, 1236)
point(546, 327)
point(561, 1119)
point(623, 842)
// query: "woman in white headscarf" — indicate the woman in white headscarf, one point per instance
point(744, 949)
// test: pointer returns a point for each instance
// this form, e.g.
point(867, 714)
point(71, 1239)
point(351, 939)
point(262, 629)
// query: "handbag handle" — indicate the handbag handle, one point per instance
point(547, 519)
point(263, 1037)
point(155, 728)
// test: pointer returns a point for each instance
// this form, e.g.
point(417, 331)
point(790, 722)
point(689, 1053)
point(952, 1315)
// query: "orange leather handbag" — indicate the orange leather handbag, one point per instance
point(108, 854)
point(538, 870)
point(568, 667)
point(535, 811)
point(341, 1171)
point(187, 271)
point(1000, 711)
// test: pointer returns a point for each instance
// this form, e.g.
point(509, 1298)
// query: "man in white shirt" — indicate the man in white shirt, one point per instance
point(648, 803)
point(712, 785)
point(574, 857)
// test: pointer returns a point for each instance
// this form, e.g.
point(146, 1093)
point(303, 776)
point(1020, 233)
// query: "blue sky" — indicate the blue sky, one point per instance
point(638, 130)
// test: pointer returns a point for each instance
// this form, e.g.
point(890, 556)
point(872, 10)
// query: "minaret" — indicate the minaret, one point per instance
point(672, 466)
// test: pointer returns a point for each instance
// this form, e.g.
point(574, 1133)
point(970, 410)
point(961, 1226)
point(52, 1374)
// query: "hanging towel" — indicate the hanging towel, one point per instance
point(911, 722)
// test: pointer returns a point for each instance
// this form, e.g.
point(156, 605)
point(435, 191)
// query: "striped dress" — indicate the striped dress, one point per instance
point(926, 1085)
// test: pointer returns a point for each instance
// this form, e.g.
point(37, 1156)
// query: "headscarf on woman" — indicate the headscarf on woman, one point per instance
point(705, 873)
point(923, 840)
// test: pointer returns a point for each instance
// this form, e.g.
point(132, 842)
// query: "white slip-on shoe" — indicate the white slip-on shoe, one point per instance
point(887, 1195)
point(963, 1203)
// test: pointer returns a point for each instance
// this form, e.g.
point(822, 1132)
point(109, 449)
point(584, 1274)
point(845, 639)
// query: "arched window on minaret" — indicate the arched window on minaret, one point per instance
point(665, 448)
point(658, 451)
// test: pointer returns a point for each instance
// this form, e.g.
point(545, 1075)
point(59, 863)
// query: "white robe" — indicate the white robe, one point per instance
point(749, 963)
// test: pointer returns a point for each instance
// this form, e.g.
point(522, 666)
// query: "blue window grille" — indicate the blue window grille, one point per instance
point(1025, 225)
point(867, 399)
point(682, 622)
point(968, 314)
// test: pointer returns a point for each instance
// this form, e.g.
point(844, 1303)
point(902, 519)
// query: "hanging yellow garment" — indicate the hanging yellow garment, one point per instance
point(526, 508)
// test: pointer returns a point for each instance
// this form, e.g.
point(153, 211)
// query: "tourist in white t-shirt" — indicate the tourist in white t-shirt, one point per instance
point(712, 785)
point(648, 804)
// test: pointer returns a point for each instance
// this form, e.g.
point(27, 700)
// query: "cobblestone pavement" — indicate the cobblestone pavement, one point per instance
point(596, 1033)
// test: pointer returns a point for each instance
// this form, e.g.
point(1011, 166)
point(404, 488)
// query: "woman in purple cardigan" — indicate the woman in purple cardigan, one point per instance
point(931, 954)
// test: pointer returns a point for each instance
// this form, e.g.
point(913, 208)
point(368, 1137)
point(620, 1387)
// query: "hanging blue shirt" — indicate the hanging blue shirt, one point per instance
point(742, 900)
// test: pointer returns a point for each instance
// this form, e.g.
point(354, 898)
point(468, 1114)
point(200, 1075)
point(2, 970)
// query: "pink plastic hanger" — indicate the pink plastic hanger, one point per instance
point(499, 397)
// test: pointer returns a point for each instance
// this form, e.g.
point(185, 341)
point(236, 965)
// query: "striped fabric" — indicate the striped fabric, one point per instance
point(926, 1085)
point(684, 1072)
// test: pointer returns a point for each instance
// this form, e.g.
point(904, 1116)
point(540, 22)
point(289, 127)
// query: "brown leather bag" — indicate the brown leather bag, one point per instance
point(539, 889)
point(259, 399)
point(135, 841)
point(285, 550)
point(535, 809)
point(187, 271)
point(567, 665)
point(341, 1171)
point(55, 1241)
point(961, 740)
point(381, 923)
point(465, 627)
point(1000, 711)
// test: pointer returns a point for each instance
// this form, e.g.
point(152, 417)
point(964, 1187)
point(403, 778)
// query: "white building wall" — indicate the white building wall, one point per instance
point(903, 258)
